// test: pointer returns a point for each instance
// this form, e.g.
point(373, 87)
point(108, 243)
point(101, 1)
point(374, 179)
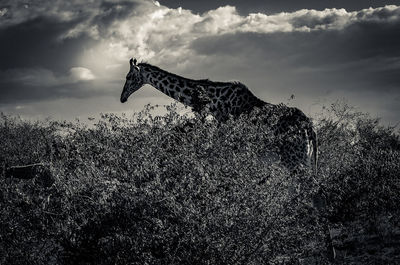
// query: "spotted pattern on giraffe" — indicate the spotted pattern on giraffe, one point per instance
point(297, 143)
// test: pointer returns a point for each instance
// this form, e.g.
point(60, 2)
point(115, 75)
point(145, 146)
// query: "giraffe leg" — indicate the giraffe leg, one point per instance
point(319, 203)
point(330, 249)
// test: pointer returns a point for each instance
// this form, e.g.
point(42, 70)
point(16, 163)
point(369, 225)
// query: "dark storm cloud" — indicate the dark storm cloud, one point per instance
point(28, 50)
point(360, 53)
point(41, 41)
point(18, 11)
point(35, 43)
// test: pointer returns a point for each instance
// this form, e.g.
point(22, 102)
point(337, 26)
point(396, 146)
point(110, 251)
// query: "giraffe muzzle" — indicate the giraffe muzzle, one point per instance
point(123, 98)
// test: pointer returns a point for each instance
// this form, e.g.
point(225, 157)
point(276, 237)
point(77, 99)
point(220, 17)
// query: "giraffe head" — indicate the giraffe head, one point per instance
point(134, 81)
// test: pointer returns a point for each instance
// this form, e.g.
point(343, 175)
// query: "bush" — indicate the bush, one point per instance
point(360, 164)
point(185, 189)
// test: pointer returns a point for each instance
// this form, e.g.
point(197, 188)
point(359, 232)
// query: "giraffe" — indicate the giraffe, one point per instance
point(298, 141)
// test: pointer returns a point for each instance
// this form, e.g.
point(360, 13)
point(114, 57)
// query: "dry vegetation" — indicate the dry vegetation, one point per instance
point(184, 190)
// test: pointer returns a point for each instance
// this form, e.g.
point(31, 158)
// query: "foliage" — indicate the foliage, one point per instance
point(179, 189)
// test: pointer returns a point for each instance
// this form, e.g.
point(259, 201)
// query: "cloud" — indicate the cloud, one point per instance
point(3, 11)
point(172, 37)
point(20, 11)
point(148, 30)
point(81, 74)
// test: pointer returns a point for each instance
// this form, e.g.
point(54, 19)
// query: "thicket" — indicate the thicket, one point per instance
point(178, 189)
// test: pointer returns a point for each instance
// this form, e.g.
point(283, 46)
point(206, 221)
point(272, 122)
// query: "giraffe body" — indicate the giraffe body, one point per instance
point(221, 98)
point(297, 143)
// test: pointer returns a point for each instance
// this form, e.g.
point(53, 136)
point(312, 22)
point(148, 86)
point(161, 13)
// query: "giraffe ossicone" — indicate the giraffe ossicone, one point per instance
point(298, 145)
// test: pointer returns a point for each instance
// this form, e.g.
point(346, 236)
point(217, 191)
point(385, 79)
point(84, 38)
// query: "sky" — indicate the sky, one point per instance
point(69, 59)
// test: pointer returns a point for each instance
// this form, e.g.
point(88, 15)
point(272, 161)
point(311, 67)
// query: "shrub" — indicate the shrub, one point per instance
point(185, 189)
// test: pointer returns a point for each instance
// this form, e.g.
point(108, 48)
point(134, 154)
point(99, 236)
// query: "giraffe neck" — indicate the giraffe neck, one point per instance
point(174, 86)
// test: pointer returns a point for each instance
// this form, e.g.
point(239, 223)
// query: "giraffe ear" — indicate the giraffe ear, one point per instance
point(133, 62)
